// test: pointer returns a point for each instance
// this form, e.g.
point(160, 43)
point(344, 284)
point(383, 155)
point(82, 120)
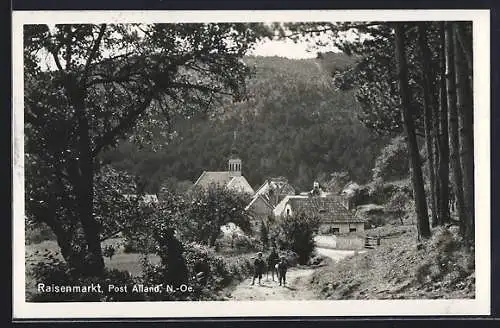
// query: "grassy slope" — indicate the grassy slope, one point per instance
point(441, 269)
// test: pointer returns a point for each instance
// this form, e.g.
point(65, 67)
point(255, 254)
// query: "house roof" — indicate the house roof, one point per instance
point(278, 210)
point(328, 209)
point(279, 187)
point(255, 198)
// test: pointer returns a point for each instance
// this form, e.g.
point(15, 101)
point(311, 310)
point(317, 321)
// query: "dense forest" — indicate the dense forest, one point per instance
point(292, 123)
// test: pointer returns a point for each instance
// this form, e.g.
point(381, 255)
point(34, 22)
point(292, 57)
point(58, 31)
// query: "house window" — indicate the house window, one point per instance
point(352, 229)
point(287, 211)
point(334, 230)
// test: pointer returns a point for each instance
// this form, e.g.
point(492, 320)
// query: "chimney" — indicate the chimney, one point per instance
point(234, 167)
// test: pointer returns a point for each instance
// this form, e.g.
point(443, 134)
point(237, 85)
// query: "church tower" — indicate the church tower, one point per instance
point(234, 163)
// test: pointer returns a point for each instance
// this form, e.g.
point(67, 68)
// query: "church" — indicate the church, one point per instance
point(232, 179)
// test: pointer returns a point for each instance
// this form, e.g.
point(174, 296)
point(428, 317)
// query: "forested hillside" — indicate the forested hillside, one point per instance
point(293, 123)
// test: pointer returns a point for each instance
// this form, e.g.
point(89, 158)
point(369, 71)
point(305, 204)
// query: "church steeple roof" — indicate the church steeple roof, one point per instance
point(234, 148)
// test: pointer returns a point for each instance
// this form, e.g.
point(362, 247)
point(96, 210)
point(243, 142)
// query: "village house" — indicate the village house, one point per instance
point(332, 211)
point(270, 193)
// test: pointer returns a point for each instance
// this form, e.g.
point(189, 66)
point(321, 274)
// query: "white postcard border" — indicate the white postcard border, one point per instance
point(478, 306)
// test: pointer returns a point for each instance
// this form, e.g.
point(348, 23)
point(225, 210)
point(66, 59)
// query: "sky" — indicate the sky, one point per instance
point(288, 49)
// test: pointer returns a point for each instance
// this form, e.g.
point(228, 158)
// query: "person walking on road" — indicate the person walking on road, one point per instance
point(282, 268)
point(259, 266)
point(272, 260)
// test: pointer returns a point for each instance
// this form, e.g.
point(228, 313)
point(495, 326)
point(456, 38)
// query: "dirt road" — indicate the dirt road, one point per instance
point(297, 283)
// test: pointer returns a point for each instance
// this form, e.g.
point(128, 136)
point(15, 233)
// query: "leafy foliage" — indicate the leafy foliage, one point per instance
point(392, 163)
point(210, 209)
point(52, 271)
point(89, 86)
point(296, 233)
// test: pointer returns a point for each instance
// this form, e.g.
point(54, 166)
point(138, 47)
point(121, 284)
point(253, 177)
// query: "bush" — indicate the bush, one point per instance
point(53, 271)
point(448, 259)
point(392, 163)
point(292, 258)
point(208, 273)
point(247, 244)
point(37, 233)
point(296, 233)
point(109, 251)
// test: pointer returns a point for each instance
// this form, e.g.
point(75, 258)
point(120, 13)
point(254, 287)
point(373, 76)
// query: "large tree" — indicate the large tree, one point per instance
point(463, 76)
point(416, 169)
point(453, 125)
point(88, 86)
point(211, 208)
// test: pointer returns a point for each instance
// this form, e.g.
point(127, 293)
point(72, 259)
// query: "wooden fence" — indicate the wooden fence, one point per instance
point(372, 242)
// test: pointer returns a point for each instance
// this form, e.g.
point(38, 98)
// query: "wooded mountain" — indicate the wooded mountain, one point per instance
point(293, 123)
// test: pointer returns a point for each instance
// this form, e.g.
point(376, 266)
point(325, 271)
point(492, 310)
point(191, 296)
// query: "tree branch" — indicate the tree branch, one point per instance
point(93, 52)
point(56, 59)
point(109, 79)
point(125, 124)
point(331, 29)
point(69, 49)
point(198, 87)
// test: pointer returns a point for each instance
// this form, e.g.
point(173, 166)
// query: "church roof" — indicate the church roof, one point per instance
point(223, 178)
point(207, 178)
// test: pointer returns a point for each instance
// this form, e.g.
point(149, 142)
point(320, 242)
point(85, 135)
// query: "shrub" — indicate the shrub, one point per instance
point(247, 244)
point(38, 232)
point(392, 163)
point(296, 233)
point(291, 257)
point(53, 271)
point(109, 251)
point(448, 260)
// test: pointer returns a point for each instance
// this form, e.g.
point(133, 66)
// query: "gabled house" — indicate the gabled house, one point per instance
point(269, 194)
point(231, 179)
point(273, 190)
point(259, 208)
point(281, 209)
point(334, 216)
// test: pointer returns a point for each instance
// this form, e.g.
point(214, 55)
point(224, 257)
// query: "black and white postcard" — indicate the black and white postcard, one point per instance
point(251, 163)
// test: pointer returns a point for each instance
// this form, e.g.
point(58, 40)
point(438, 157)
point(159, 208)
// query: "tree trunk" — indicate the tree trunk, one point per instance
point(444, 148)
point(437, 186)
point(425, 58)
point(94, 262)
point(466, 117)
point(65, 238)
point(466, 46)
point(416, 176)
point(453, 126)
